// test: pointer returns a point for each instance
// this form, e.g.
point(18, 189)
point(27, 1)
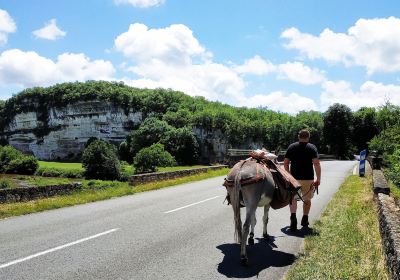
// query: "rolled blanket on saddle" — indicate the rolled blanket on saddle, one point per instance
point(256, 169)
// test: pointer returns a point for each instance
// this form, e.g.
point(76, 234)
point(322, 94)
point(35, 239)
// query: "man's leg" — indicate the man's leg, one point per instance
point(308, 195)
point(293, 218)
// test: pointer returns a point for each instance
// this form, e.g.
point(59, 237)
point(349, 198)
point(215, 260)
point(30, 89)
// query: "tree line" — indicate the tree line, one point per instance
point(169, 117)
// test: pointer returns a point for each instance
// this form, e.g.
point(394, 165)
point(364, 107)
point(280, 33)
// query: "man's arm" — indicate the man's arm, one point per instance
point(317, 167)
point(286, 162)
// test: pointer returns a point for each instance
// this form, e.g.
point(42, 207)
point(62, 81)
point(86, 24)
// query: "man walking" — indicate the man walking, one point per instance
point(303, 159)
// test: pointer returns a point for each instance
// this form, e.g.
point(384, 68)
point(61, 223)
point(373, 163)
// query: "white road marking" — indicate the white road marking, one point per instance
point(183, 207)
point(57, 248)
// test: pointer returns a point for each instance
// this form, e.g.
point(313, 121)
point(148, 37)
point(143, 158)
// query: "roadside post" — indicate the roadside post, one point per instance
point(362, 163)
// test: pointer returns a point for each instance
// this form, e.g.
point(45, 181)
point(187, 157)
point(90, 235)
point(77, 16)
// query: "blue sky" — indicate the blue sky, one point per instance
point(285, 55)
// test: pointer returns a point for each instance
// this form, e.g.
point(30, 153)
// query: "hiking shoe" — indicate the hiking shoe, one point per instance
point(293, 223)
point(304, 221)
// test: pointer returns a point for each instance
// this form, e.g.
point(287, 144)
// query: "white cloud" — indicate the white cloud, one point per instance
point(256, 66)
point(50, 31)
point(300, 73)
point(7, 25)
point(294, 71)
point(141, 3)
point(172, 57)
point(372, 43)
point(278, 101)
point(370, 94)
point(29, 69)
point(174, 44)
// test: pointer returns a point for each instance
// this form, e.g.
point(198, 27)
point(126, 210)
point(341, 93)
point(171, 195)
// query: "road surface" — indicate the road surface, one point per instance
point(182, 232)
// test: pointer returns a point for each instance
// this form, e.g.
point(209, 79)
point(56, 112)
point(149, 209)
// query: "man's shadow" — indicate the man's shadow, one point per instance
point(261, 256)
point(302, 232)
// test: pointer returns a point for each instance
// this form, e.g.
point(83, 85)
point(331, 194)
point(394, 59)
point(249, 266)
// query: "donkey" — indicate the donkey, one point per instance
point(256, 184)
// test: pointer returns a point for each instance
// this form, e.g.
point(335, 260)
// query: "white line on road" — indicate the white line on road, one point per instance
point(183, 207)
point(58, 248)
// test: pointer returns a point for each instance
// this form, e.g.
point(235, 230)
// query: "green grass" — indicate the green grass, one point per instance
point(395, 191)
point(95, 190)
point(127, 168)
point(346, 243)
point(61, 165)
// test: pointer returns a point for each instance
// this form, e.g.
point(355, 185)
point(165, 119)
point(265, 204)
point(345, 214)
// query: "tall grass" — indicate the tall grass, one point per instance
point(347, 243)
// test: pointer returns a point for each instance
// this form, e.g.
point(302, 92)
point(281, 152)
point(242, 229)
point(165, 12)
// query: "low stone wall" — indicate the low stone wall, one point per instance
point(30, 193)
point(389, 217)
point(159, 176)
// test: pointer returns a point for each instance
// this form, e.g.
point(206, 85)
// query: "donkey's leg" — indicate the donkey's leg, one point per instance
point(265, 221)
point(250, 211)
point(252, 226)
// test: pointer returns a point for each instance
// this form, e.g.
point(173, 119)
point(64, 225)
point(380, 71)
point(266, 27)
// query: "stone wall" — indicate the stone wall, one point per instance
point(389, 217)
point(159, 176)
point(30, 193)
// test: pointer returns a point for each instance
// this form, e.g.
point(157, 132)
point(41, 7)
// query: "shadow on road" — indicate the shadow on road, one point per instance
point(303, 232)
point(261, 256)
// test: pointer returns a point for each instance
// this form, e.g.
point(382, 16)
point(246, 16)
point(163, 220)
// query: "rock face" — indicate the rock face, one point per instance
point(68, 129)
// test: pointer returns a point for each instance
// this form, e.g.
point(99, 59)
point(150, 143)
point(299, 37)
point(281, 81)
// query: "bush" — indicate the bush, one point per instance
point(150, 158)
point(393, 171)
point(100, 161)
point(59, 172)
point(26, 165)
point(13, 161)
point(5, 184)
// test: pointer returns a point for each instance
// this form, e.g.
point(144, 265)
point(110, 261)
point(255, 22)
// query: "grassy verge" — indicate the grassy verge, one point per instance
point(97, 190)
point(346, 243)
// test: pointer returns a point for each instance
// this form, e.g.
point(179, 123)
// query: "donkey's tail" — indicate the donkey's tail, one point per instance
point(235, 199)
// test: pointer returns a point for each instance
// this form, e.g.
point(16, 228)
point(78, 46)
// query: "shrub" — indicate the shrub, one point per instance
point(13, 161)
point(150, 158)
point(4, 184)
point(59, 172)
point(26, 165)
point(100, 161)
point(393, 171)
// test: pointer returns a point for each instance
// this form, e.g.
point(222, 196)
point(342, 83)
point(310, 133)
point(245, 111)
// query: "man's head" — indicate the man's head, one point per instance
point(304, 135)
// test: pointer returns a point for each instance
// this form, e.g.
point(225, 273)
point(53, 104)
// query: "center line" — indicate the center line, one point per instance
point(57, 248)
point(191, 204)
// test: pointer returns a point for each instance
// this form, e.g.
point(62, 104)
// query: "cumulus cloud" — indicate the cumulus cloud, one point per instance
point(172, 57)
point(256, 66)
point(278, 101)
point(372, 43)
point(293, 71)
point(300, 73)
point(7, 25)
point(174, 44)
point(370, 94)
point(50, 31)
point(141, 3)
point(29, 69)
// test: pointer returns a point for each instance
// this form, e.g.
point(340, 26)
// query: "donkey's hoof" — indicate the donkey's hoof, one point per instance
point(251, 241)
point(244, 260)
point(265, 235)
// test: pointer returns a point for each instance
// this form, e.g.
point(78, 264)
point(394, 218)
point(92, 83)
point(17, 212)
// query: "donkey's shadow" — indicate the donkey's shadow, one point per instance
point(261, 256)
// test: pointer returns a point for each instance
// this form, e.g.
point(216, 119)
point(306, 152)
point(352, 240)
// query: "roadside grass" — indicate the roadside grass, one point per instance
point(346, 243)
point(95, 190)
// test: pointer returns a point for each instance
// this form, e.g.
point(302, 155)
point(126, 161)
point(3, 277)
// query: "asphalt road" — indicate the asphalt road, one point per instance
point(182, 232)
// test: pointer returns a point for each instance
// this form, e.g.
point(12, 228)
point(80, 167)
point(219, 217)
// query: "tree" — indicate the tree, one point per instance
point(100, 161)
point(150, 131)
point(365, 127)
point(150, 158)
point(182, 144)
point(338, 128)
